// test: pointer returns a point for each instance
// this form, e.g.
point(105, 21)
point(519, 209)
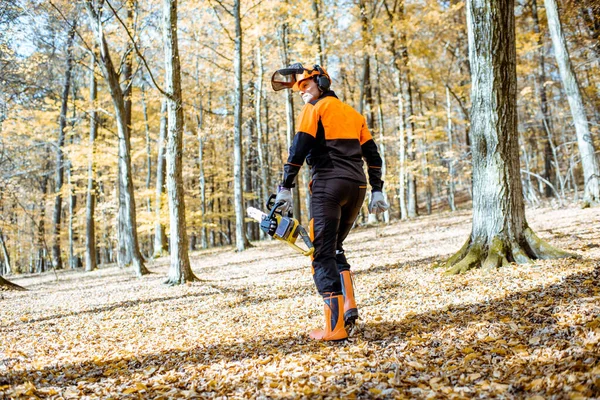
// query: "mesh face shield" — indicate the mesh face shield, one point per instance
point(285, 78)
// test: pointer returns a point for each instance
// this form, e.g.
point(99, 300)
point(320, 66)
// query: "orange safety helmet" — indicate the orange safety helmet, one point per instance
point(290, 77)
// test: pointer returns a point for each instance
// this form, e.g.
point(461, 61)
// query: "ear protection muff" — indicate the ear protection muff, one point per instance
point(323, 82)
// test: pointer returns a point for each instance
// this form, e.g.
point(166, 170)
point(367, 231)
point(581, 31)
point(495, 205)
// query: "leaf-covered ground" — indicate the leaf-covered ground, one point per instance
point(520, 332)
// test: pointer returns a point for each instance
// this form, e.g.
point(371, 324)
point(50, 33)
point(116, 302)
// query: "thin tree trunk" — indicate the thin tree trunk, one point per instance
point(56, 217)
point(450, 156)
point(160, 238)
point(148, 149)
point(289, 116)
point(589, 160)
point(317, 36)
point(90, 204)
point(401, 63)
point(180, 270)
point(382, 148)
point(261, 143)
point(5, 253)
point(402, 158)
point(541, 89)
point(240, 238)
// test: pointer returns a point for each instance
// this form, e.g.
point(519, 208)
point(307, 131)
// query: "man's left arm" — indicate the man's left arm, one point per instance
point(371, 155)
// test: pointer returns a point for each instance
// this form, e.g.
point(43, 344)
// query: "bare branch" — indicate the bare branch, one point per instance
point(156, 85)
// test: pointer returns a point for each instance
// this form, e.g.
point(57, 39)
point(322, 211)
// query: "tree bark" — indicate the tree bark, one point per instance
point(401, 62)
point(541, 88)
point(56, 217)
point(125, 252)
point(451, 159)
point(262, 144)
point(317, 36)
point(500, 233)
point(129, 240)
point(148, 148)
point(240, 238)
point(589, 160)
point(90, 204)
point(180, 270)
point(160, 238)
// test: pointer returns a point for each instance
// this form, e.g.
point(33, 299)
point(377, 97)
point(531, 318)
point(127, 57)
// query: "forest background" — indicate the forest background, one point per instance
point(404, 66)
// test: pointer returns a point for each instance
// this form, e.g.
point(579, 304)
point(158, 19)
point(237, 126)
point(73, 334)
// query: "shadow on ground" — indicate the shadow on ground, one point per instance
point(521, 315)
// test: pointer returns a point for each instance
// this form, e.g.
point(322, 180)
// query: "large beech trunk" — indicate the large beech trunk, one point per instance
point(180, 270)
point(500, 233)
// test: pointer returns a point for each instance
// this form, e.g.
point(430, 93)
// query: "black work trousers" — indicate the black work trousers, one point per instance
point(334, 206)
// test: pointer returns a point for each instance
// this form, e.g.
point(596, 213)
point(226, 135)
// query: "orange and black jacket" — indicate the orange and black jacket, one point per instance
point(333, 138)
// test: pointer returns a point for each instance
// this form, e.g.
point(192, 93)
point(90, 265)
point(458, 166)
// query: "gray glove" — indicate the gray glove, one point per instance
point(377, 204)
point(285, 195)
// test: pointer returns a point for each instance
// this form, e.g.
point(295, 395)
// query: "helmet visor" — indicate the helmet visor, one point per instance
point(285, 78)
point(280, 82)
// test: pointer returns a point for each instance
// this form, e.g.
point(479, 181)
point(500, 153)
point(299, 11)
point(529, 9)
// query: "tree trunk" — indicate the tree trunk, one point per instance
point(401, 63)
point(382, 148)
point(401, 158)
point(262, 144)
point(125, 253)
point(129, 238)
point(90, 204)
point(240, 238)
point(450, 157)
point(317, 36)
point(148, 149)
point(500, 233)
point(5, 254)
point(541, 88)
point(180, 270)
point(56, 217)
point(589, 161)
point(160, 238)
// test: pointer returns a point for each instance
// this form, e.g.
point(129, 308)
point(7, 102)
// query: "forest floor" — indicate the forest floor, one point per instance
point(528, 331)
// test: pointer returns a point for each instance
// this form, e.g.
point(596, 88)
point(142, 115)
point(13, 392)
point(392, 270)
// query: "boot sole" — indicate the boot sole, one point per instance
point(350, 317)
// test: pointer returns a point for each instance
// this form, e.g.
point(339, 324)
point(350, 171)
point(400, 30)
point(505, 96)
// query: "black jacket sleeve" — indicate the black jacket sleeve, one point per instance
point(301, 146)
point(371, 154)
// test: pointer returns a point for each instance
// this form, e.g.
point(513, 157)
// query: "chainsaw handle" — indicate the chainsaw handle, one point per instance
point(272, 206)
point(271, 202)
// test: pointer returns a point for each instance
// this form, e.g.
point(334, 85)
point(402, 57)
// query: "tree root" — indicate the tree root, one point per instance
point(544, 250)
point(468, 262)
point(496, 256)
point(501, 252)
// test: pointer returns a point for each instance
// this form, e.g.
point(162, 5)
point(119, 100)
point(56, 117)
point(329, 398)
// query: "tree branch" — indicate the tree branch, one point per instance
point(156, 85)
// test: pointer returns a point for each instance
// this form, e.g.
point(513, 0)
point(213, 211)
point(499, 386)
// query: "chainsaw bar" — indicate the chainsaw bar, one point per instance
point(256, 214)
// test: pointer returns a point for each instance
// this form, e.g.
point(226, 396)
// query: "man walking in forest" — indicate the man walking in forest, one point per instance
point(334, 139)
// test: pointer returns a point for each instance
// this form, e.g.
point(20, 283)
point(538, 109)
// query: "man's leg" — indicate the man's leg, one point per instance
point(349, 212)
point(326, 212)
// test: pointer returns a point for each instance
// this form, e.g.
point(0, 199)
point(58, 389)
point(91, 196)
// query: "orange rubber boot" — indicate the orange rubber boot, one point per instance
point(350, 310)
point(334, 319)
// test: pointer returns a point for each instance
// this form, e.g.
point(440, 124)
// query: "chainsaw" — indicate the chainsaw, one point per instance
point(284, 228)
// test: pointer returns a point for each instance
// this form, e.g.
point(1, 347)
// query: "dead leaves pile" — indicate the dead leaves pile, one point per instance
point(521, 332)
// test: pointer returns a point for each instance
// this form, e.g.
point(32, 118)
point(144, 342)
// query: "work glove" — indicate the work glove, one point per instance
point(377, 204)
point(285, 195)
